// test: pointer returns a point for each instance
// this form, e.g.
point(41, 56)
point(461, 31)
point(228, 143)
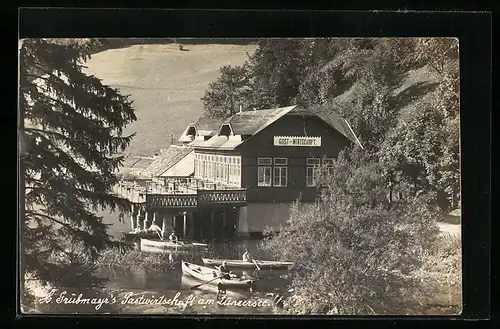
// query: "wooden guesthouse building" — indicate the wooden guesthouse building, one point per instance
point(244, 172)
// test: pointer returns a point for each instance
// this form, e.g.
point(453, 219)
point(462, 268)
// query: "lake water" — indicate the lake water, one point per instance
point(270, 284)
point(137, 290)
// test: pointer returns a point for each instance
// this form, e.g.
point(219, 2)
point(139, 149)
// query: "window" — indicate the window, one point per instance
point(220, 169)
point(280, 172)
point(312, 164)
point(280, 176)
point(264, 176)
point(232, 168)
point(310, 176)
point(280, 161)
point(272, 172)
point(264, 171)
point(264, 161)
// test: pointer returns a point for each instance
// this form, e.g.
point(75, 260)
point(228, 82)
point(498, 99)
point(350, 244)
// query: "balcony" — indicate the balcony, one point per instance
point(202, 198)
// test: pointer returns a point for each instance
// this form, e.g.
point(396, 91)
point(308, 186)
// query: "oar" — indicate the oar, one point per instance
point(258, 268)
point(218, 277)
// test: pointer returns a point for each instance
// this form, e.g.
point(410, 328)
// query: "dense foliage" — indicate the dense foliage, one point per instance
point(360, 247)
point(399, 95)
point(354, 249)
point(70, 141)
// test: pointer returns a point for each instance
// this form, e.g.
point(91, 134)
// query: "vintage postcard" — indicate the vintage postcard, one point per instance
point(240, 176)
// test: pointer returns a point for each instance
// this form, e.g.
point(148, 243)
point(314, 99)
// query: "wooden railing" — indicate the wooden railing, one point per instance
point(201, 198)
point(206, 197)
point(171, 200)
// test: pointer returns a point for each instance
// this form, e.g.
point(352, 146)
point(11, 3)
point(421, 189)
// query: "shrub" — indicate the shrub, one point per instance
point(134, 258)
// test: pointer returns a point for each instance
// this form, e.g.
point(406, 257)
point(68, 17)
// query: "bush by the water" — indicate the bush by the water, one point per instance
point(354, 250)
point(132, 257)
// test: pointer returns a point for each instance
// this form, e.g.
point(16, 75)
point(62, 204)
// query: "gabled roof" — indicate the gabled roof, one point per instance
point(250, 123)
point(166, 160)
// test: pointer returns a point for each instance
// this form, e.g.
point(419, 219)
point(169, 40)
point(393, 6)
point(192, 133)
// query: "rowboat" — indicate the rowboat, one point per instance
point(203, 273)
point(165, 244)
point(187, 281)
point(132, 236)
point(267, 264)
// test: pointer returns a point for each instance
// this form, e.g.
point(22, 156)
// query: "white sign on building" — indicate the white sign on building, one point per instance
point(297, 141)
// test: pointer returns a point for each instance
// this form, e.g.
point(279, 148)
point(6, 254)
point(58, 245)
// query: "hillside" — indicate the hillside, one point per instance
point(166, 85)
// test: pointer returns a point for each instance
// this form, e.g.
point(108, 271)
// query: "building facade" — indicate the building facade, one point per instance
point(247, 171)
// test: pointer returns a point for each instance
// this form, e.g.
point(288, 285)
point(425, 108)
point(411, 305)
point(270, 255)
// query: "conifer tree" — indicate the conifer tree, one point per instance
point(224, 97)
point(71, 136)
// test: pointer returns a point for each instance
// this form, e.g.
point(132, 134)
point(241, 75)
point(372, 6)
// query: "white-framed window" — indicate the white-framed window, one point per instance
point(280, 161)
point(223, 169)
point(280, 172)
point(272, 172)
point(312, 164)
point(264, 176)
point(264, 171)
point(264, 161)
point(280, 176)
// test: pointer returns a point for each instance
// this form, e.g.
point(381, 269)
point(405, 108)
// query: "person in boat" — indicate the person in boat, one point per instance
point(223, 267)
point(173, 238)
point(155, 228)
point(247, 257)
point(224, 270)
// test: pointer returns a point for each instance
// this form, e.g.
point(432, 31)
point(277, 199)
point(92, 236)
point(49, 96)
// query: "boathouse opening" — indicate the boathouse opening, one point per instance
point(212, 224)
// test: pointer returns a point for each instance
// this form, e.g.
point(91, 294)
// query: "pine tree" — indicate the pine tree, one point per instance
point(71, 135)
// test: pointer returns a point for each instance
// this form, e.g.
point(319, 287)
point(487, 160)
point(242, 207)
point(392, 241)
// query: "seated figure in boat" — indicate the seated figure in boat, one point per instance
point(247, 257)
point(173, 238)
point(223, 269)
point(155, 228)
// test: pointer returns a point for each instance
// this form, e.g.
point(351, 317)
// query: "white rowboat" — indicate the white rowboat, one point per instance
point(161, 244)
point(203, 273)
point(236, 263)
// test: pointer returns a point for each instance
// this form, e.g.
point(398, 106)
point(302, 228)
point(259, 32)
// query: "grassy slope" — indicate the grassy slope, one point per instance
point(166, 86)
